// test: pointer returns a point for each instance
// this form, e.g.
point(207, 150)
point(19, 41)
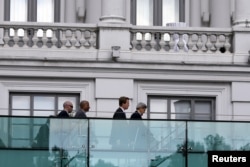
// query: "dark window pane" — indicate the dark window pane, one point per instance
point(204, 107)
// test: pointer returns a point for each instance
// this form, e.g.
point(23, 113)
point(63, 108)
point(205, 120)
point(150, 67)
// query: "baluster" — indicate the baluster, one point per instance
point(152, 41)
point(162, 43)
point(25, 38)
point(68, 43)
point(78, 44)
point(1, 38)
point(204, 48)
point(93, 39)
point(44, 39)
point(190, 43)
point(171, 42)
point(35, 39)
point(218, 44)
point(82, 40)
point(86, 38)
point(73, 38)
point(6, 37)
point(54, 39)
point(227, 44)
point(16, 37)
point(143, 41)
point(1, 42)
point(180, 43)
point(134, 41)
point(208, 43)
point(199, 43)
point(64, 40)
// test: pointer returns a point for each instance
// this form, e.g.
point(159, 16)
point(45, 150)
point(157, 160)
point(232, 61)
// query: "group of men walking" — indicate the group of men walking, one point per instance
point(124, 134)
point(119, 113)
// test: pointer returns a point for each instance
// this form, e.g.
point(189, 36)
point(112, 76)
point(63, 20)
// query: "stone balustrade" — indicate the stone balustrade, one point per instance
point(42, 35)
point(191, 40)
point(143, 38)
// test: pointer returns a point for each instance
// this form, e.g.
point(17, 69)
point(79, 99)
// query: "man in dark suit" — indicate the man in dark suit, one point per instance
point(123, 105)
point(84, 107)
point(118, 137)
point(67, 108)
point(140, 110)
point(138, 131)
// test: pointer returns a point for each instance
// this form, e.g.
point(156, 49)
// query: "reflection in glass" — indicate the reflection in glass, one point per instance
point(170, 11)
point(42, 6)
point(144, 12)
point(146, 141)
point(18, 10)
point(68, 138)
point(20, 102)
point(20, 131)
point(20, 143)
point(64, 142)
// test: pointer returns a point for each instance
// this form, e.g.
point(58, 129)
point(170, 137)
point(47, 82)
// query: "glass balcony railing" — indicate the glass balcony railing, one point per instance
point(53, 142)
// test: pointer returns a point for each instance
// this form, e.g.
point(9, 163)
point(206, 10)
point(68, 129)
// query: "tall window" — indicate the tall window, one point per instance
point(35, 104)
point(32, 10)
point(187, 108)
point(157, 12)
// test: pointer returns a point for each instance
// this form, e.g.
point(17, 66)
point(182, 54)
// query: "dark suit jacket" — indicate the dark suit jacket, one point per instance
point(119, 114)
point(80, 114)
point(63, 114)
point(136, 115)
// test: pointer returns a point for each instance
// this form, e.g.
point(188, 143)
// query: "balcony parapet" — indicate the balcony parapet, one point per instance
point(188, 39)
point(45, 35)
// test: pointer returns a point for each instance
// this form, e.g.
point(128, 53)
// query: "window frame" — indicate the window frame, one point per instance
point(191, 99)
point(32, 95)
point(32, 10)
point(157, 12)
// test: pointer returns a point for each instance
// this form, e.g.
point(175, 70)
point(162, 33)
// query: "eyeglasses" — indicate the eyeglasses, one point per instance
point(71, 106)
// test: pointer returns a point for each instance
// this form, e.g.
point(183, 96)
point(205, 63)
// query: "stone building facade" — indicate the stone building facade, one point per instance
point(187, 59)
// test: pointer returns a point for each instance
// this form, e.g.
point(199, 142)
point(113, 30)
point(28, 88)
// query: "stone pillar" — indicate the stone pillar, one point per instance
point(220, 11)
point(113, 11)
point(242, 12)
point(70, 11)
point(195, 13)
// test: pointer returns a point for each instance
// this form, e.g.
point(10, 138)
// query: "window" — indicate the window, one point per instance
point(32, 10)
point(157, 12)
point(181, 108)
point(32, 104)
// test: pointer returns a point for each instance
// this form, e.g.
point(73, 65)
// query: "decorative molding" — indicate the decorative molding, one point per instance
point(84, 88)
point(221, 92)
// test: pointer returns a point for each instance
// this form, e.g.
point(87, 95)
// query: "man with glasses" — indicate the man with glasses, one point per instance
point(67, 109)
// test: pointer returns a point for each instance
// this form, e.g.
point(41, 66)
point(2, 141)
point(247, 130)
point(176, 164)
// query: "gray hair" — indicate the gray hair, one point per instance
point(141, 105)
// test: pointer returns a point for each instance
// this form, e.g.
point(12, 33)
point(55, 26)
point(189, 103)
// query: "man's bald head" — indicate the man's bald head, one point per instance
point(68, 106)
point(84, 105)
